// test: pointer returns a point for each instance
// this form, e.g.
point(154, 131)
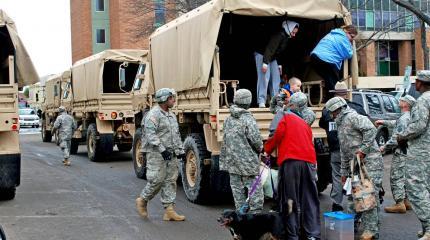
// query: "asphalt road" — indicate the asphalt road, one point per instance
point(96, 201)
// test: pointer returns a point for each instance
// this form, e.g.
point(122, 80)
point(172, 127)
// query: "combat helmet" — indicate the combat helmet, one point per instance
point(299, 99)
point(335, 103)
point(242, 97)
point(163, 94)
point(424, 76)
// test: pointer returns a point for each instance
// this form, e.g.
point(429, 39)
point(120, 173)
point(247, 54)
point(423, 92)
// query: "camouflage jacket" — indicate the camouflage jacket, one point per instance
point(242, 143)
point(160, 131)
point(276, 104)
point(418, 130)
point(398, 126)
point(356, 132)
point(66, 126)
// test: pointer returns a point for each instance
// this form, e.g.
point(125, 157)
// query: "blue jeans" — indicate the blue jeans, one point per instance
point(272, 76)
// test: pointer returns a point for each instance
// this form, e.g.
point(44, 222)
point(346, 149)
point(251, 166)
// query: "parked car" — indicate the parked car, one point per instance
point(28, 117)
point(379, 106)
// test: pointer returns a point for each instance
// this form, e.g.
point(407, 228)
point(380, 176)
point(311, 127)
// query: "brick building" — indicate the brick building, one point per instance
point(394, 50)
point(97, 25)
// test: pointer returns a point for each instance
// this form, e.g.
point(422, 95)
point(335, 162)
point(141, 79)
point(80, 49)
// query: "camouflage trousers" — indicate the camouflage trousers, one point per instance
point(370, 220)
point(240, 186)
point(65, 145)
point(417, 186)
point(161, 175)
point(397, 177)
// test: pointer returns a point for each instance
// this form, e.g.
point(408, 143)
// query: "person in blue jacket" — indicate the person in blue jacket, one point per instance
point(330, 52)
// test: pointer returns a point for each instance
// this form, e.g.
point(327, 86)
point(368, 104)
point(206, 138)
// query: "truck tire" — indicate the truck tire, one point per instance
point(7, 193)
point(74, 146)
point(139, 162)
point(98, 145)
point(195, 175)
point(46, 135)
point(125, 147)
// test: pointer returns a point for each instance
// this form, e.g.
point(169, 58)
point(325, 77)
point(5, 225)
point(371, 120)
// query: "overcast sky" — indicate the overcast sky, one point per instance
point(44, 27)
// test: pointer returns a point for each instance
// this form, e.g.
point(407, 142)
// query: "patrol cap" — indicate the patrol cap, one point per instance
point(335, 103)
point(163, 94)
point(242, 97)
point(424, 76)
point(408, 99)
point(61, 109)
point(340, 88)
point(299, 99)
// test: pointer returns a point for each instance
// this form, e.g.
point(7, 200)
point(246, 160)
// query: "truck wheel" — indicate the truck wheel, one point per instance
point(139, 162)
point(195, 175)
point(7, 193)
point(125, 147)
point(74, 146)
point(98, 146)
point(46, 135)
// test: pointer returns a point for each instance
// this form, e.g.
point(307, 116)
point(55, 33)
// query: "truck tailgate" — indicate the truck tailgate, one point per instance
point(264, 118)
point(116, 101)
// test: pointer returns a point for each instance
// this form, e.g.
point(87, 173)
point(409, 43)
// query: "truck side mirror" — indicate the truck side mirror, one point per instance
point(121, 77)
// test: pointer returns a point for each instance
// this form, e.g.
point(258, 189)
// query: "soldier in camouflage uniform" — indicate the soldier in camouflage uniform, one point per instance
point(357, 137)
point(417, 135)
point(161, 142)
point(240, 152)
point(397, 173)
point(65, 126)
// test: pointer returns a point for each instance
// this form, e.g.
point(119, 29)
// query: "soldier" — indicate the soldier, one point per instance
point(328, 124)
point(417, 166)
point(161, 142)
point(397, 173)
point(239, 153)
point(65, 126)
point(357, 137)
point(299, 103)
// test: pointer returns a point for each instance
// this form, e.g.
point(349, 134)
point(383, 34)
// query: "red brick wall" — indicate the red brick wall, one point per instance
point(419, 60)
point(405, 55)
point(80, 17)
point(367, 64)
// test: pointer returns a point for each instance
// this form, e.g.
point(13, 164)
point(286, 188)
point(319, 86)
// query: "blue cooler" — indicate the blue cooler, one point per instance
point(338, 226)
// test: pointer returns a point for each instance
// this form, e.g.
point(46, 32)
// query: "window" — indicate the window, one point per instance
point(388, 105)
point(370, 23)
point(160, 12)
point(100, 5)
point(55, 90)
point(373, 104)
point(138, 82)
point(395, 103)
point(66, 91)
point(357, 98)
point(100, 36)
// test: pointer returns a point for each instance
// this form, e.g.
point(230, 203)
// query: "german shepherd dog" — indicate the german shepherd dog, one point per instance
point(258, 226)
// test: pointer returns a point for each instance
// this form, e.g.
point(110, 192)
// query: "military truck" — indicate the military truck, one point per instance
point(101, 103)
point(57, 93)
point(206, 55)
point(16, 71)
point(36, 96)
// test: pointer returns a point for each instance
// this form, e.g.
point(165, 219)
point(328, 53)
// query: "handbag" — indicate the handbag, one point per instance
point(363, 190)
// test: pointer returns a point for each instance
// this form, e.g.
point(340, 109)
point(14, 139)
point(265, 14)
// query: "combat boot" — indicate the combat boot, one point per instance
point(142, 207)
point(66, 162)
point(366, 236)
point(396, 208)
point(171, 215)
point(408, 204)
point(426, 236)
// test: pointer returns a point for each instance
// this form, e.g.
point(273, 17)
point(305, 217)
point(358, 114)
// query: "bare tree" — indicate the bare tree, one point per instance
point(158, 12)
point(409, 5)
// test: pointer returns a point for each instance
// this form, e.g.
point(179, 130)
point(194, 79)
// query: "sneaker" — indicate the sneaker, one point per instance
point(336, 207)
point(261, 105)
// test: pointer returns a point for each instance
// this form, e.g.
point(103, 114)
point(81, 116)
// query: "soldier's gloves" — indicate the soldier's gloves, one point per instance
point(167, 156)
point(181, 156)
point(403, 145)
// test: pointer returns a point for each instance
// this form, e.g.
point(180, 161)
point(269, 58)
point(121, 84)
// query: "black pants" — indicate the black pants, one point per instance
point(297, 184)
point(328, 72)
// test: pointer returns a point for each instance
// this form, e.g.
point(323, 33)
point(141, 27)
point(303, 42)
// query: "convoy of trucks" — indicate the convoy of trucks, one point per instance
point(205, 55)
point(16, 71)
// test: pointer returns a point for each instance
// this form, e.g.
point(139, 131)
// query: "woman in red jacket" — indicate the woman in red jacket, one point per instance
point(297, 190)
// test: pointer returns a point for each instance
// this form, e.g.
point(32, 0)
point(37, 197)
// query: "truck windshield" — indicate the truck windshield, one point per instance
point(26, 111)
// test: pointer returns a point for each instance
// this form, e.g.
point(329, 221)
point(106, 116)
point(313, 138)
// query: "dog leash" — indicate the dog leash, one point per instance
point(245, 207)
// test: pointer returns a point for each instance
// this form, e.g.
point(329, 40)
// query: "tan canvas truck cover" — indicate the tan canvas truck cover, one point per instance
point(188, 66)
point(91, 68)
point(26, 73)
point(54, 89)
